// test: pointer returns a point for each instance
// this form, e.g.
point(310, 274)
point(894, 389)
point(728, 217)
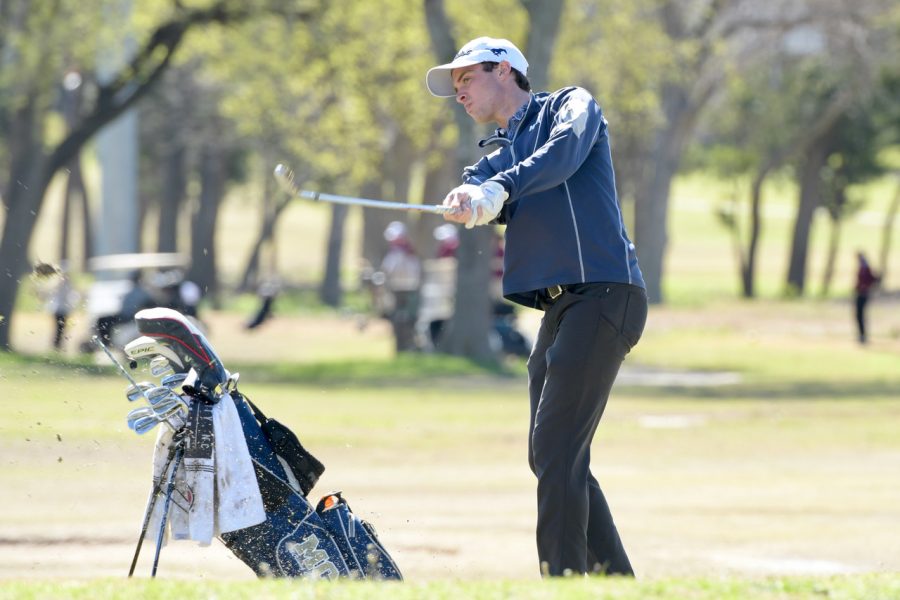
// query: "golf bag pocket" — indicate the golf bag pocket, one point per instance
point(301, 468)
point(305, 468)
point(357, 540)
point(292, 542)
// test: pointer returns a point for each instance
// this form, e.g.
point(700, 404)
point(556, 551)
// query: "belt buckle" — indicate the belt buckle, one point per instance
point(555, 291)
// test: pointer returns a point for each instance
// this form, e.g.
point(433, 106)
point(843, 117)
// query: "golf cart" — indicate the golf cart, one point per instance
point(127, 283)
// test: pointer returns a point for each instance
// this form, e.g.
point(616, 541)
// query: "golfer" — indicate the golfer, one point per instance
point(551, 183)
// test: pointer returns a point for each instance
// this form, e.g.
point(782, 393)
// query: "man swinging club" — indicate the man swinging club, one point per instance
point(567, 253)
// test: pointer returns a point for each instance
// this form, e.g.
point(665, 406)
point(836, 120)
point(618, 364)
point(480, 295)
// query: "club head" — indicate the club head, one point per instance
point(145, 424)
point(160, 367)
point(175, 331)
point(173, 381)
point(138, 413)
point(133, 393)
point(169, 406)
point(159, 394)
point(147, 347)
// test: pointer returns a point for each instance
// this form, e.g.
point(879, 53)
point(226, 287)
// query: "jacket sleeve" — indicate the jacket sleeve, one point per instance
point(481, 171)
point(577, 124)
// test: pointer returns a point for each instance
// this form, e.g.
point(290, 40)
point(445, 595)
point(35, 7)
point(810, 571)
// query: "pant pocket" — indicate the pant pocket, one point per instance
point(634, 318)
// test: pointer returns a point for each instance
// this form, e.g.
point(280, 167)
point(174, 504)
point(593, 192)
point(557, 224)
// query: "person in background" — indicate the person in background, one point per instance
point(62, 301)
point(267, 293)
point(567, 253)
point(402, 270)
point(866, 281)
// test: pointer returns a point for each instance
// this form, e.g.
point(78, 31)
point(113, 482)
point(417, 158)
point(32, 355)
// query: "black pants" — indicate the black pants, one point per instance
point(861, 301)
point(583, 339)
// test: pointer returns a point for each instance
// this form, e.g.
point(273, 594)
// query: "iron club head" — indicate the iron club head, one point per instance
point(139, 391)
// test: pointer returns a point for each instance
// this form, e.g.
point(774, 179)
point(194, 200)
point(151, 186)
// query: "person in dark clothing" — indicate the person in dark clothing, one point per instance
point(267, 293)
point(567, 253)
point(866, 280)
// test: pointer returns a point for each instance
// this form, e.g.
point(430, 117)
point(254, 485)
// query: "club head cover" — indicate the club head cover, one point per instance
point(172, 329)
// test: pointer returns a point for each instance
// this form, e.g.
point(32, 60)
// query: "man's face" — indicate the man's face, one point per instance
point(479, 91)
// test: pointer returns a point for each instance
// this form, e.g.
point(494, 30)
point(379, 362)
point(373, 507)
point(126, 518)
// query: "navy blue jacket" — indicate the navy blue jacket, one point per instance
point(563, 220)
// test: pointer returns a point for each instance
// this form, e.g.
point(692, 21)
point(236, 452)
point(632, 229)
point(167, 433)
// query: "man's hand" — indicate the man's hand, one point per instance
point(475, 205)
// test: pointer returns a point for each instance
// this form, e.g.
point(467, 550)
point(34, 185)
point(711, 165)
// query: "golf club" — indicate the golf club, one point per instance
point(146, 347)
point(139, 391)
point(173, 381)
point(134, 384)
point(172, 329)
point(285, 178)
point(143, 425)
point(168, 407)
point(138, 413)
point(160, 367)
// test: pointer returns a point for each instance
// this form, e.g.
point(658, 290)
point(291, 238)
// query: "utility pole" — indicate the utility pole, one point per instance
point(117, 150)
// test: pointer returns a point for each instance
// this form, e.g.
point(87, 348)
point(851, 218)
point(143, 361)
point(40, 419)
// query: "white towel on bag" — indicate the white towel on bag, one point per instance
point(198, 473)
point(215, 488)
point(238, 501)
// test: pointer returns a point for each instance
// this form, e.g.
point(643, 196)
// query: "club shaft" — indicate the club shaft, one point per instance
point(115, 361)
point(285, 178)
point(334, 199)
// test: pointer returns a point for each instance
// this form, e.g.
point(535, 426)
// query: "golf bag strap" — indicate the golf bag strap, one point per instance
point(306, 467)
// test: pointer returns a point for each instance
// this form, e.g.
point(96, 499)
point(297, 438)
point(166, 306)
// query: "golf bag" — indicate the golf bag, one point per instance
point(295, 539)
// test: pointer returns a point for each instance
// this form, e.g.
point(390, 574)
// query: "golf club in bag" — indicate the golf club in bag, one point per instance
point(296, 539)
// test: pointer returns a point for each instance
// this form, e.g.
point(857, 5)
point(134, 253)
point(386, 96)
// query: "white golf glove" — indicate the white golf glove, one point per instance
point(489, 197)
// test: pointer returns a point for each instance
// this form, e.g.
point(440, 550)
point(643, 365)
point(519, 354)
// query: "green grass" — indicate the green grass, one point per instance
point(797, 460)
point(870, 587)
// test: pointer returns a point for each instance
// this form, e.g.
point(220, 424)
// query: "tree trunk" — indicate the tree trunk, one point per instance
point(834, 243)
point(886, 232)
point(330, 292)
point(748, 270)
point(542, 34)
point(810, 199)
point(203, 251)
point(23, 197)
point(467, 331)
point(172, 193)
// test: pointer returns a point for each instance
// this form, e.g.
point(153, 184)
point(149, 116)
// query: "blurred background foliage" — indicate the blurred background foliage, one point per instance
point(788, 106)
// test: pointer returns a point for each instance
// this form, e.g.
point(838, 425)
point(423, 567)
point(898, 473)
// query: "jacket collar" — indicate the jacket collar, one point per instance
point(504, 136)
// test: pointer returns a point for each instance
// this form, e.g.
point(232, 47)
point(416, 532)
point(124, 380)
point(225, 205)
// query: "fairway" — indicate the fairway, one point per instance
point(742, 439)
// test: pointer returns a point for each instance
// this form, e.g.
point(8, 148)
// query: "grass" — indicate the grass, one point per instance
point(768, 487)
point(872, 587)
point(781, 484)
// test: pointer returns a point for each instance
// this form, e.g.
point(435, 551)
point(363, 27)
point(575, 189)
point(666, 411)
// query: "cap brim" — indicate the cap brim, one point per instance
point(439, 80)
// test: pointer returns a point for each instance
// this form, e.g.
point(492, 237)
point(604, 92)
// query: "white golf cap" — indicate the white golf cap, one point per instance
point(479, 50)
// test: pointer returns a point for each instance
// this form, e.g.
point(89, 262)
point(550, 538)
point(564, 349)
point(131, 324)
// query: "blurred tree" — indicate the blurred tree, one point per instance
point(842, 55)
point(35, 40)
point(762, 120)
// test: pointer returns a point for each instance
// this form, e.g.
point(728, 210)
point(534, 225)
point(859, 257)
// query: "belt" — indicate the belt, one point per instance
point(555, 291)
point(591, 288)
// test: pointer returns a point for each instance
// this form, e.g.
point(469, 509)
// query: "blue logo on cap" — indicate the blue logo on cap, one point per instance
point(494, 51)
